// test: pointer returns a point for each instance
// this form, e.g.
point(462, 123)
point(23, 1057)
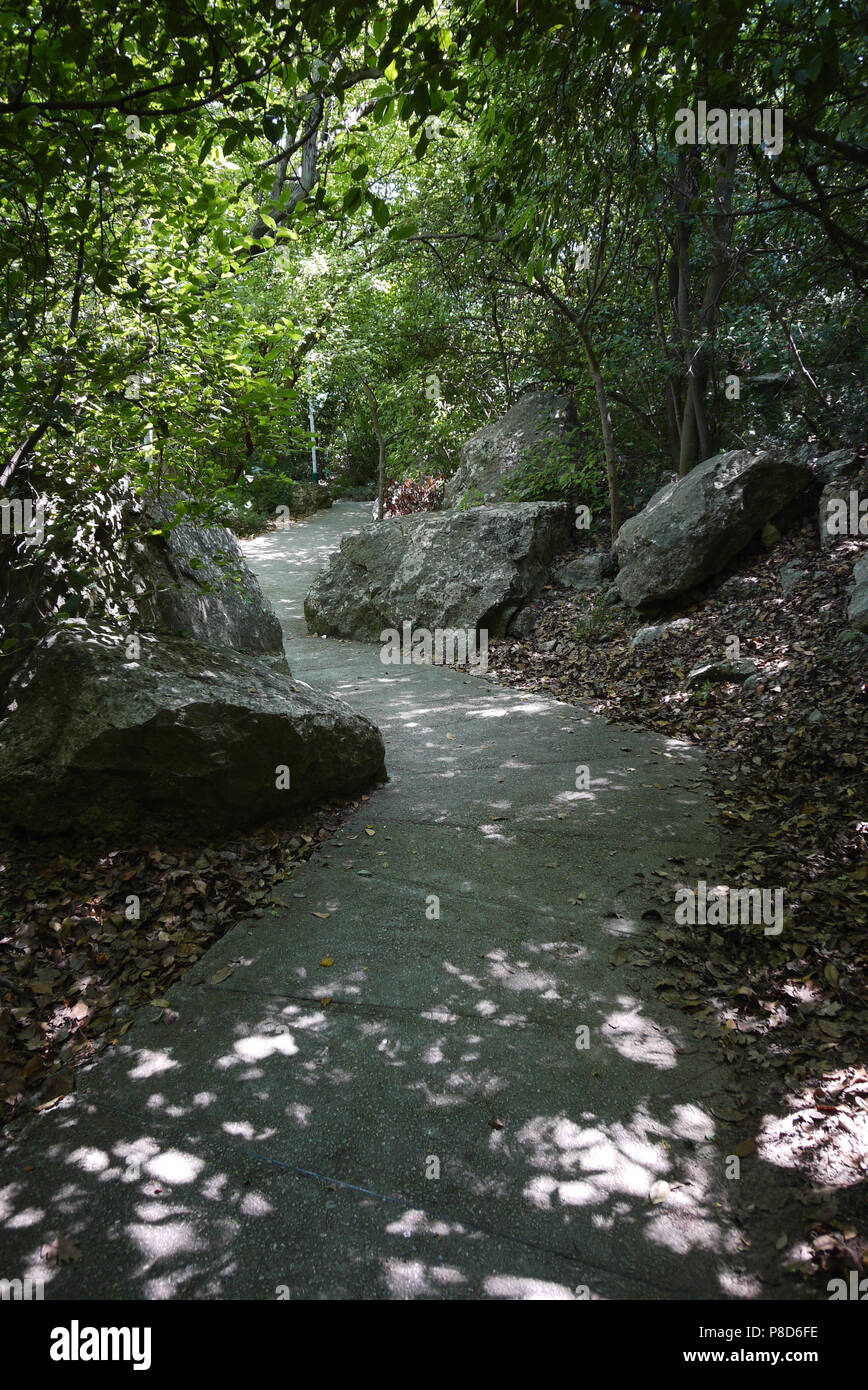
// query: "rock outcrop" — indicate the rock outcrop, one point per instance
point(694, 525)
point(113, 735)
point(461, 569)
point(834, 467)
point(843, 513)
point(857, 612)
point(194, 580)
point(189, 578)
point(536, 432)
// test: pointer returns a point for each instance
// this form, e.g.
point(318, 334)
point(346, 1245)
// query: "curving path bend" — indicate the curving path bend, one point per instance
point(422, 1118)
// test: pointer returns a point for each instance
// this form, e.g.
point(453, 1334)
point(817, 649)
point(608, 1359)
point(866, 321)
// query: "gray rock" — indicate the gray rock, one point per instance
point(523, 624)
point(537, 429)
point(194, 580)
point(857, 612)
point(790, 575)
point(693, 527)
point(458, 569)
point(185, 735)
point(842, 513)
point(720, 672)
point(843, 463)
point(646, 636)
point(737, 587)
point(588, 571)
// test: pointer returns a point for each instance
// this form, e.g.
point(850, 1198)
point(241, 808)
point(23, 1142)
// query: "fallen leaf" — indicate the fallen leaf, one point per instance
point(61, 1251)
point(220, 975)
point(49, 1104)
point(327, 960)
point(722, 1112)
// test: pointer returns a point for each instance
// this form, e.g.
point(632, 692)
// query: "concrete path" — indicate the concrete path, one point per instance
point(419, 1119)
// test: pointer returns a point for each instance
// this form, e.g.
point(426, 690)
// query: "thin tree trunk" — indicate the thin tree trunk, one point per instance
point(606, 426)
point(720, 236)
point(381, 466)
point(581, 325)
point(673, 423)
point(504, 361)
point(686, 183)
point(782, 324)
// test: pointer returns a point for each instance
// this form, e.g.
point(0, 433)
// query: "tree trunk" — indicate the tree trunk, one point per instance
point(673, 422)
point(504, 360)
point(606, 425)
point(696, 432)
point(685, 184)
point(381, 465)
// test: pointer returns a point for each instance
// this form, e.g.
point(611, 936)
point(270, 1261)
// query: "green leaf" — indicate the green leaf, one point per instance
point(379, 209)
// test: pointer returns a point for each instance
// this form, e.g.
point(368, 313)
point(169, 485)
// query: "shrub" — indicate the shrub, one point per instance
point(252, 503)
point(555, 470)
point(413, 495)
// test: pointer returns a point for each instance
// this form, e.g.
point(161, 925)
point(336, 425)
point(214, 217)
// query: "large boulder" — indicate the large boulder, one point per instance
point(537, 431)
point(694, 525)
point(100, 735)
point(189, 578)
point(843, 513)
point(471, 570)
point(834, 467)
point(192, 579)
point(857, 612)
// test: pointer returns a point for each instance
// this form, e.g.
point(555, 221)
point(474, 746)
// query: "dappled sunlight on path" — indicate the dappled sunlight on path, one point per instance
point(433, 1069)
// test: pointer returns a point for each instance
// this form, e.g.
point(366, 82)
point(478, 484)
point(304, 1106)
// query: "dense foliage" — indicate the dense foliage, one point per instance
point(399, 218)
